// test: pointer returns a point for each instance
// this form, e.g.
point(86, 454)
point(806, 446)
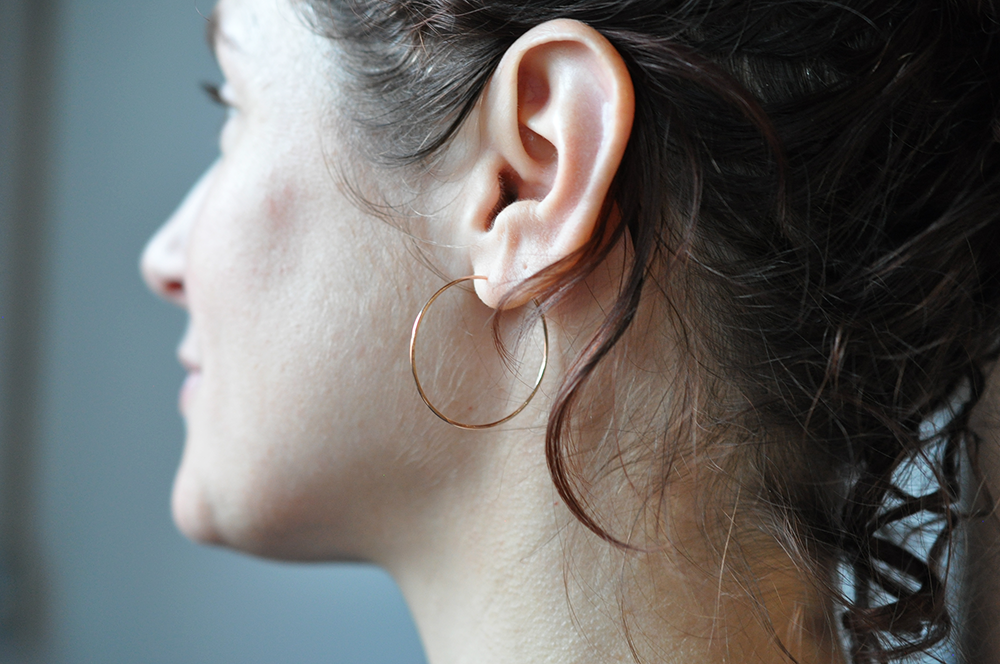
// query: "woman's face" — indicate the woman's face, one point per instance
point(304, 433)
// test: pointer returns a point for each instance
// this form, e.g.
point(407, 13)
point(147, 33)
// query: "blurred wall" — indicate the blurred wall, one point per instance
point(129, 132)
point(27, 59)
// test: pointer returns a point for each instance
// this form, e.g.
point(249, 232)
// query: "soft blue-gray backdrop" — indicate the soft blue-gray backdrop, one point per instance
point(128, 133)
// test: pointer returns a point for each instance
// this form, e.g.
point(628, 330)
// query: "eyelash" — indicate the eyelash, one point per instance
point(214, 93)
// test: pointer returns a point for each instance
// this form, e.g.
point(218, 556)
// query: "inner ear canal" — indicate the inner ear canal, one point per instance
point(539, 148)
point(508, 195)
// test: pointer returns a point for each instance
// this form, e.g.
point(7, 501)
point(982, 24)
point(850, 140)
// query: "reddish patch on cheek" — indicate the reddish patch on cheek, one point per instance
point(280, 204)
point(275, 237)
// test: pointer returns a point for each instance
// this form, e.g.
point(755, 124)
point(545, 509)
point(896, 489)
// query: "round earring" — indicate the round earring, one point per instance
point(416, 378)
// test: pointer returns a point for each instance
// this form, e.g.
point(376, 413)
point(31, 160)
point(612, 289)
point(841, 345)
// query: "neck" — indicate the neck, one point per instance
point(513, 577)
point(492, 588)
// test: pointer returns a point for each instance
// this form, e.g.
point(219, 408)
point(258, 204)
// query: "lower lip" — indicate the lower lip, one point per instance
point(188, 388)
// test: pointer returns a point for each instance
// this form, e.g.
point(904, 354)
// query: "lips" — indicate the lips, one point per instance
point(187, 357)
point(188, 389)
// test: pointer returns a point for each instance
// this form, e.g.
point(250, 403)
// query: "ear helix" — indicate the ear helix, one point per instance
point(416, 377)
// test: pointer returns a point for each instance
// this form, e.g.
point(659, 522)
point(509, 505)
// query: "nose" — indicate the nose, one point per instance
point(163, 262)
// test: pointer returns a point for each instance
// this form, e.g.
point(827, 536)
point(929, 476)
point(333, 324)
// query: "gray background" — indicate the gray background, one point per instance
point(102, 131)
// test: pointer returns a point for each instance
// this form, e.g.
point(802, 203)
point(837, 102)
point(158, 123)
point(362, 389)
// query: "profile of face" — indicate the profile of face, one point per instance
point(298, 415)
point(305, 436)
point(302, 265)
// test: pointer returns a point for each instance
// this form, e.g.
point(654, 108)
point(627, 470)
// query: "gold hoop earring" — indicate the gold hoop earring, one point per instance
point(420, 388)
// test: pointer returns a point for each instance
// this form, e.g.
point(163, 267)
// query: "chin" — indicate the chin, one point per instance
point(192, 512)
point(273, 529)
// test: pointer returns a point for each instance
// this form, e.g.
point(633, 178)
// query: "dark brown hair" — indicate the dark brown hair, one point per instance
point(827, 175)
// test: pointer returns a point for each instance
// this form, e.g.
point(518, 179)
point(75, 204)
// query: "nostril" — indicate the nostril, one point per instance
point(173, 288)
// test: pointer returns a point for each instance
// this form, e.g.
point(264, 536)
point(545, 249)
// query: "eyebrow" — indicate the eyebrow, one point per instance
point(212, 29)
point(214, 34)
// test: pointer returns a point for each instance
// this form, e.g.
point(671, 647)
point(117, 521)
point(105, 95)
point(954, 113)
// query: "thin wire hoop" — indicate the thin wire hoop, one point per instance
point(420, 388)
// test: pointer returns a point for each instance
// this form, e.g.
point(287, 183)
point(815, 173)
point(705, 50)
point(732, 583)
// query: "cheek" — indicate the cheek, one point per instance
point(242, 242)
point(244, 256)
point(252, 319)
point(302, 320)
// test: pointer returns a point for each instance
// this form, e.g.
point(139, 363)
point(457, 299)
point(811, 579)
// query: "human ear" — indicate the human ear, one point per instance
point(555, 120)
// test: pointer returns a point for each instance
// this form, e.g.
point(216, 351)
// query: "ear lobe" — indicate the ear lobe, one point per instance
point(556, 118)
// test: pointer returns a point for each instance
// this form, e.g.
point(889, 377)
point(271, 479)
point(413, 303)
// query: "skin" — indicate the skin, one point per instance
point(982, 632)
point(306, 439)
